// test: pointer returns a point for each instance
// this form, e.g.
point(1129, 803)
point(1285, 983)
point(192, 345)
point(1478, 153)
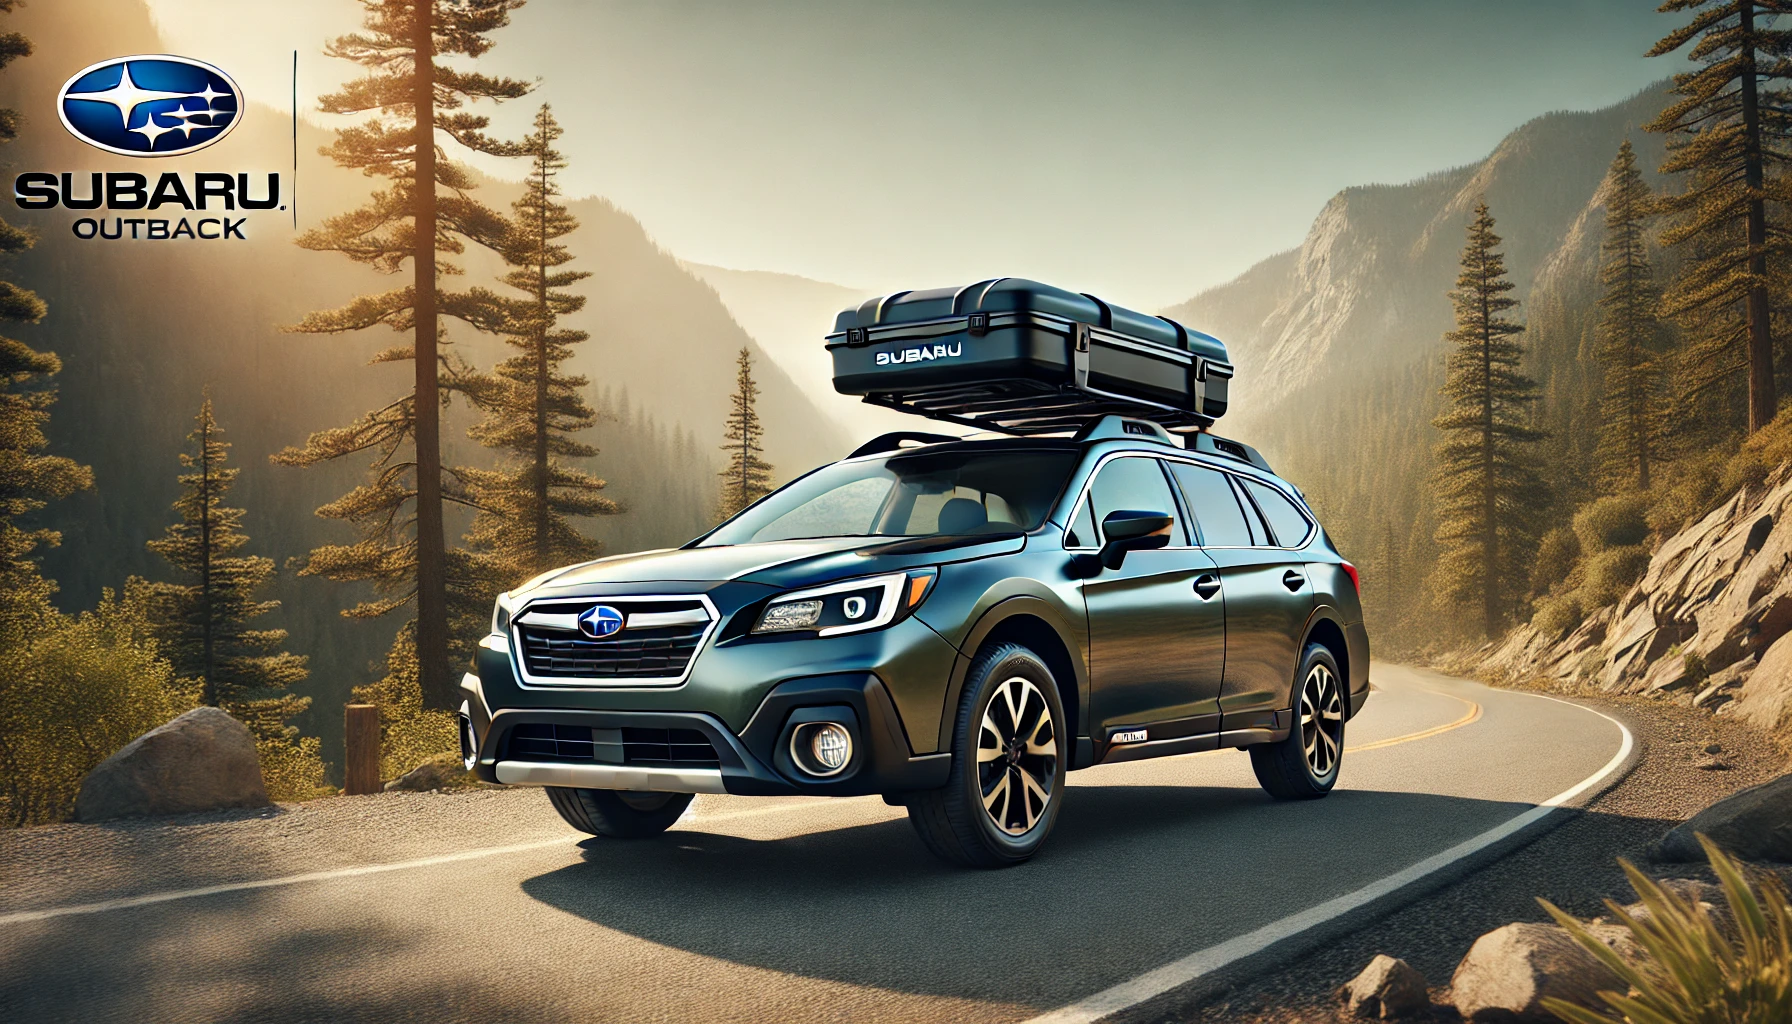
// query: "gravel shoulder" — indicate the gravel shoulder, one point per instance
point(59, 865)
point(1574, 866)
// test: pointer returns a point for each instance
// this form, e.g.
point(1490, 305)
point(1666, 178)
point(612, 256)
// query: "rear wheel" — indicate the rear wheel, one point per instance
point(616, 813)
point(1305, 765)
point(1009, 755)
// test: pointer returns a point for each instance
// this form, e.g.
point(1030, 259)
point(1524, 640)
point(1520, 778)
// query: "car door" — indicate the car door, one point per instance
point(1157, 644)
point(1268, 597)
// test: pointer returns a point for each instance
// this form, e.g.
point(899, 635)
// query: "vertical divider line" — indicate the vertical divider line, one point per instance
point(295, 140)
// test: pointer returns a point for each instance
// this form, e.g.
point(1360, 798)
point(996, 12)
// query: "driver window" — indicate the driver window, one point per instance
point(1137, 484)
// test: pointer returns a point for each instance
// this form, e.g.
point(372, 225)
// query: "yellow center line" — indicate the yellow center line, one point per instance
point(1474, 713)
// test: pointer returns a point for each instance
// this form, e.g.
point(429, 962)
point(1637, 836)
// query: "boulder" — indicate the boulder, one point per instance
point(1510, 971)
point(436, 774)
point(1755, 824)
point(203, 760)
point(1705, 894)
point(1766, 699)
point(1388, 989)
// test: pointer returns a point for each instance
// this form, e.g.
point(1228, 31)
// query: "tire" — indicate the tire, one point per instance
point(1006, 785)
point(1305, 765)
point(617, 814)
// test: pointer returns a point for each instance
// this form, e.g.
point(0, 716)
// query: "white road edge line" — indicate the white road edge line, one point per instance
point(1154, 983)
point(126, 902)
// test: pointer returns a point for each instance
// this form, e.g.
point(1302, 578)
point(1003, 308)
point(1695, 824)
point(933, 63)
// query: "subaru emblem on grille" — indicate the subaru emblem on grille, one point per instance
point(600, 621)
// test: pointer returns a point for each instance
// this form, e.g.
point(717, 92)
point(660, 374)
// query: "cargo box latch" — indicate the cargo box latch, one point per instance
point(1079, 354)
point(856, 336)
point(979, 324)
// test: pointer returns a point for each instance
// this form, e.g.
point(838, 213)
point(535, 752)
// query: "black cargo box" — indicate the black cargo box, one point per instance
point(1022, 357)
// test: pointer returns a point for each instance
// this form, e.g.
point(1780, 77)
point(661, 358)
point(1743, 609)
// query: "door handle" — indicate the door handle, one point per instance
point(1207, 585)
point(1293, 580)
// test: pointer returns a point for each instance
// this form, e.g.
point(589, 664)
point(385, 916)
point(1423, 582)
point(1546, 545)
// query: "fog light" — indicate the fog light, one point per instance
point(831, 745)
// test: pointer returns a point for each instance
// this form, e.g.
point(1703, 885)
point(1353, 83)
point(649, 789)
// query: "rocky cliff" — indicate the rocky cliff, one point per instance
point(1710, 623)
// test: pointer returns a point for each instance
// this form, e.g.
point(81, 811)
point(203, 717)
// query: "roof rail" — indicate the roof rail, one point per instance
point(1128, 427)
point(1211, 444)
point(893, 440)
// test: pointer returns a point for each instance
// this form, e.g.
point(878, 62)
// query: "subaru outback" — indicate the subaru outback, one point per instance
point(950, 624)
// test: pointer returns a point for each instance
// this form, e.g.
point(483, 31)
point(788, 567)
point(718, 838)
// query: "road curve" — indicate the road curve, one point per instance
point(383, 908)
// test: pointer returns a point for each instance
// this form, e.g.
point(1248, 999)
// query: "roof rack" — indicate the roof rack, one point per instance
point(1124, 427)
point(1023, 406)
point(893, 440)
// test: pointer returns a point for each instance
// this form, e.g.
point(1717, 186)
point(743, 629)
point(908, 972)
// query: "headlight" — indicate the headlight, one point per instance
point(501, 613)
point(850, 607)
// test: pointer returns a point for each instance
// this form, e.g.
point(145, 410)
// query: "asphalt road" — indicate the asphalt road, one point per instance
point(752, 910)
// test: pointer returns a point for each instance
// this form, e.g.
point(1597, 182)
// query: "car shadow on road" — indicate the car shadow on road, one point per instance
point(1133, 877)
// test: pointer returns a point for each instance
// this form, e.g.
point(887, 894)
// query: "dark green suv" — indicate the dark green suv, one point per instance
point(952, 624)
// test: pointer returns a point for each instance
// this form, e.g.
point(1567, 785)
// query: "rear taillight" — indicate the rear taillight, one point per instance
point(1350, 570)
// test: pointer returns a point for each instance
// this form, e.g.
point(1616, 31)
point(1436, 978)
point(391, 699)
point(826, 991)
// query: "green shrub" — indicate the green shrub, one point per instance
point(1612, 572)
point(410, 733)
point(1557, 554)
point(72, 691)
point(1557, 615)
point(1692, 969)
point(1618, 520)
point(292, 768)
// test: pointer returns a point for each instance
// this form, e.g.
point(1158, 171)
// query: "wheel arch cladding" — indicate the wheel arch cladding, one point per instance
point(1038, 636)
point(1330, 635)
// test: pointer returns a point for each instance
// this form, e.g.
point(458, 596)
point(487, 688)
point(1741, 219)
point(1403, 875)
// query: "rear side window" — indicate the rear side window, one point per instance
point(1287, 521)
point(1137, 484)
point(1215, 507)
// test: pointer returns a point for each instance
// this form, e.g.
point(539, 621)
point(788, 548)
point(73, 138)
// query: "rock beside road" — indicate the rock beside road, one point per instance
point(203, 760)
point(1755, 824)
point(1388, 989)
point(1510, 971)
point(441, 773)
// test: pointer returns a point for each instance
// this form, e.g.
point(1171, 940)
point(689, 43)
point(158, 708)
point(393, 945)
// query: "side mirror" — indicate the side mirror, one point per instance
point(1132, 530)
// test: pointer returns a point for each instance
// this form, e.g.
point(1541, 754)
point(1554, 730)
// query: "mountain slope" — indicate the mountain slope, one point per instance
point(788, 316)
point(1339, 342)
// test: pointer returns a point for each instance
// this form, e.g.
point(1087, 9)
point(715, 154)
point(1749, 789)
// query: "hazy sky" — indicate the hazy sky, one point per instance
point(1142, 150)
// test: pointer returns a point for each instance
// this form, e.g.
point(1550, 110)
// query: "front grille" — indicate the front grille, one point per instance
point(662, 652)
point(645, 748)
point(667, 748)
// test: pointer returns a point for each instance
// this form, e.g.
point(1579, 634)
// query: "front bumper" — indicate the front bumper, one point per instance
point(755, 762)
point(886, 687)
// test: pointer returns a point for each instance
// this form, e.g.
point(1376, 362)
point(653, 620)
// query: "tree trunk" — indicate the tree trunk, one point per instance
point(209, 690)
point(1490, 536)
point(541, 372)
point(432, 583)
point(1762, 402)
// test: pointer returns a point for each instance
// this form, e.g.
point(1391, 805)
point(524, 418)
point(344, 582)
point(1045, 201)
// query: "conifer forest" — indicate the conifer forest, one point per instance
point(1494, 383)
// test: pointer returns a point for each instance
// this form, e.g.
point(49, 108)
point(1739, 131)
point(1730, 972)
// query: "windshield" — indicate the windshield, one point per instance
point(920, 494)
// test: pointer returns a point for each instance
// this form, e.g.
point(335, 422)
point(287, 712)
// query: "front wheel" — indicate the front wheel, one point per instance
point(1305, 765)
point(1009, 755)
point(616, 813)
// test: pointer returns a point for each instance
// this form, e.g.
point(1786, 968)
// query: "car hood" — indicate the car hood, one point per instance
point(780, 563)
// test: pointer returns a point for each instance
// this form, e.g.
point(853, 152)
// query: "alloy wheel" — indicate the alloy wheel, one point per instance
point(1321, 720)
point(1017, 756)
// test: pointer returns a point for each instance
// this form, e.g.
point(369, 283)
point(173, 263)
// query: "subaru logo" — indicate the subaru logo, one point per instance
point(600, 621)
point(150, 105)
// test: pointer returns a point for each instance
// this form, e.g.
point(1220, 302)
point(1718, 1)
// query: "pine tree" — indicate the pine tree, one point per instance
point(203, 618)
point(1630, 419)
point(29, 479)
point(402, 550)
point(534, 407)
point(1728, 134)
point(747, 477)
point(1487, 488)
